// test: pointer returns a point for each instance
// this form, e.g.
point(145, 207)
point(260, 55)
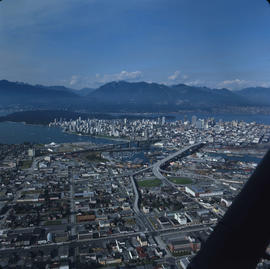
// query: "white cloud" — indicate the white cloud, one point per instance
point(264, 84)
point(196, 82)
point(129, 75)
point(175, 75)
point(74, 80)
point(123, 75)
point(237, 84)
point(236, 81)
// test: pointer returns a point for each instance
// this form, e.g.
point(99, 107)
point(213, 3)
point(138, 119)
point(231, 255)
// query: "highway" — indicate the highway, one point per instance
point(136, 200)
point(157, 166)
point(156, 170)
point(72, 207)
point(140, 216)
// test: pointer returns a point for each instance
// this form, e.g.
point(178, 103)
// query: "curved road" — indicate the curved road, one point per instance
point(156, 171)
point(157, 165)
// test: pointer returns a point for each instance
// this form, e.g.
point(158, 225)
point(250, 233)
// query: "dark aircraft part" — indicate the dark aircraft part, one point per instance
point(241, 237)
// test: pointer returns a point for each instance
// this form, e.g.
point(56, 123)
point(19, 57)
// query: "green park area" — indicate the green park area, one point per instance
point(181, 180)
point(149, 183)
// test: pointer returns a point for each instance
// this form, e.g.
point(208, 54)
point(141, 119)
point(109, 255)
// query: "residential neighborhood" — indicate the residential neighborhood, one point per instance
point(124, 205)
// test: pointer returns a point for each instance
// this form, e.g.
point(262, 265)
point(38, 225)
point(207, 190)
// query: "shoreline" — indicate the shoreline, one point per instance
point(97, 136)
point(70, 133)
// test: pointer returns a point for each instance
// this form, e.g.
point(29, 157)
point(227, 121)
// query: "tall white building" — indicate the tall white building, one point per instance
point(31, 152)
point(163, 120)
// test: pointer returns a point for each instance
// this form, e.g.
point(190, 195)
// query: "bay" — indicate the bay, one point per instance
point(17, 133)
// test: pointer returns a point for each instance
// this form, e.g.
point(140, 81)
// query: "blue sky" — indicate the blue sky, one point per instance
point(86, 43)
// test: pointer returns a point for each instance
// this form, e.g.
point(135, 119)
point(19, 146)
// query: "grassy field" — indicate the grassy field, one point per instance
point(180, 180)
point(149, 183)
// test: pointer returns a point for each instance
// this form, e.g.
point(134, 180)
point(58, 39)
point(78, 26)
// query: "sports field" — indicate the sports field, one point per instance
point(149, 183)
point(180, 180)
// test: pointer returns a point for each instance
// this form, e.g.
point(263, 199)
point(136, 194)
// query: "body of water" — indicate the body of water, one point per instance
point(17, 133)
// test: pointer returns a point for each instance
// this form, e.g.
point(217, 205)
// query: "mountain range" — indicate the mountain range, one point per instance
point(259, 95)
point(122, 96)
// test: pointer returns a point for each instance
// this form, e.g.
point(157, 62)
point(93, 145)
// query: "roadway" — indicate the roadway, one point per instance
point(156, 170)
point(75, 243)
point(157, 166)
point(142, 217)
point(72, 207)
point(136, 200)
